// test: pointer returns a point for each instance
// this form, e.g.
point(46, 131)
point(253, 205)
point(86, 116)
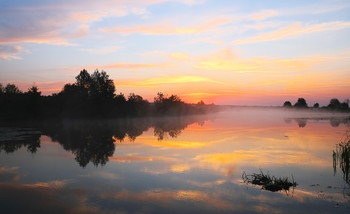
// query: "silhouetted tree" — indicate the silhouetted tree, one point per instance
point(90, 96)
point(12, 89)
point(120, 99)
point(13, 103)
point(301, 103)
point(137, 105)
point(32, 103)
point(175, 99)
point(316, 105)
point(201, 103)
point(120, 106)
point(75, 102)
point(287, 104)
point(334, 104)
point(345, 106)
point(172, 105)
point(84, 79)
point(102, 87)
point(34, 91)
point(134, 98)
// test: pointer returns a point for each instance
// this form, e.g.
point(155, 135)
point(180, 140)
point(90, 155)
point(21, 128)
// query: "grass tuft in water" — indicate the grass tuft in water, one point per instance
point(269, 182)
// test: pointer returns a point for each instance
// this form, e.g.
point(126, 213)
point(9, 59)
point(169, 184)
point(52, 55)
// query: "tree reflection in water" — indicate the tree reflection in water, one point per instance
point(12, 139)
point(88, 141)
point(92, 141)
point(173, 126)
point(333, 121)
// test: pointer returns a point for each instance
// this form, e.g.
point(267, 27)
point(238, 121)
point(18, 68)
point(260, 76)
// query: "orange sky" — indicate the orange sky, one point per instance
point(225, 52)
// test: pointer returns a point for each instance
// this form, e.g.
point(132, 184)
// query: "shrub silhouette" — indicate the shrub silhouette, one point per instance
point(301, 103)
point(287, 104)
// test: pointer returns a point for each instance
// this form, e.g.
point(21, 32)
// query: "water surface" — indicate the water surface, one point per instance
point(174, 165)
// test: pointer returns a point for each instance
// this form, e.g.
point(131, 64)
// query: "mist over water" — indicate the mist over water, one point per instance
point(189, 164)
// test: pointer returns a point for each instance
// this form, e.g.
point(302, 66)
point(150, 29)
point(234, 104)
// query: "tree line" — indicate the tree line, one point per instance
point(334, 104)
point(90, 96)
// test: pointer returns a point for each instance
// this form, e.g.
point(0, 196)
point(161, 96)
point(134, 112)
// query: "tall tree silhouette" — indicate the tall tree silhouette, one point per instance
point(12, 89)
point(335, 104)
point(301, 103)
point(102, 87)
point(83, 79)
point(90, 96)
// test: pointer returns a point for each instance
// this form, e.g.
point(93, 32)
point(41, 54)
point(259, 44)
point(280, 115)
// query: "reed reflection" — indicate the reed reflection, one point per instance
point(341, 159)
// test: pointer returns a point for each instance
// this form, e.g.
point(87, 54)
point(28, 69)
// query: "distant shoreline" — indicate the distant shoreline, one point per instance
point(93, 96)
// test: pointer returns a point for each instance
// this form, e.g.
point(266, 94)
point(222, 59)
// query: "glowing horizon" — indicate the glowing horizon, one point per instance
point(222, 52)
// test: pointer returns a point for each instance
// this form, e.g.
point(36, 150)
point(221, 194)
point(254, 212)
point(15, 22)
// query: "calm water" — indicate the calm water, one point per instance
point(174, 165)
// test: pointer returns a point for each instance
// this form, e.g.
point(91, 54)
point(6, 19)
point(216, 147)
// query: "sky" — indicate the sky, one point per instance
point(219, 51)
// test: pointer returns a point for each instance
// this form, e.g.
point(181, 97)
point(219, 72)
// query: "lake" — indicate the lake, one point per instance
point(177, 164)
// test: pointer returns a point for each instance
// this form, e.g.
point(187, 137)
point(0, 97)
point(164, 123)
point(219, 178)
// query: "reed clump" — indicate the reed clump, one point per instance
point(268, 182)
point(341, 157)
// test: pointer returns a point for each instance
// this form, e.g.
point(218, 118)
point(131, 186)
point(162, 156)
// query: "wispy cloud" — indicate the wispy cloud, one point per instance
point(179, 56)
point(293, 30)
point(166, 28)
point(58, 23)
point(137, 158)
point(37, 25)
point(206, 40)
point(103, 50)
point(169, 199)
point(201, 94)
point(9, 174)
point(156, 81)
point(9, 52)
point(180, 168)
point(51, 184)
point(264, 14)
point(131, 65)
point(207, 97)
point(226, 60)
point(317, 8)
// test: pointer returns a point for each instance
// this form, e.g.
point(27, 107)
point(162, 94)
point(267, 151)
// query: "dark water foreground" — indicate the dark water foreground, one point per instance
point(176, 164)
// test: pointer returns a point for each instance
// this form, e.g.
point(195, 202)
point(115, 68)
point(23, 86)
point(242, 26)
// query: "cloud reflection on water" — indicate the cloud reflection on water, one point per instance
point(198, 171)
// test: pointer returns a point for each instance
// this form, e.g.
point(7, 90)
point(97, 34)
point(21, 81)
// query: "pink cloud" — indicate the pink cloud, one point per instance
point(9, 52)
point(165, 28)
point(293, 30)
